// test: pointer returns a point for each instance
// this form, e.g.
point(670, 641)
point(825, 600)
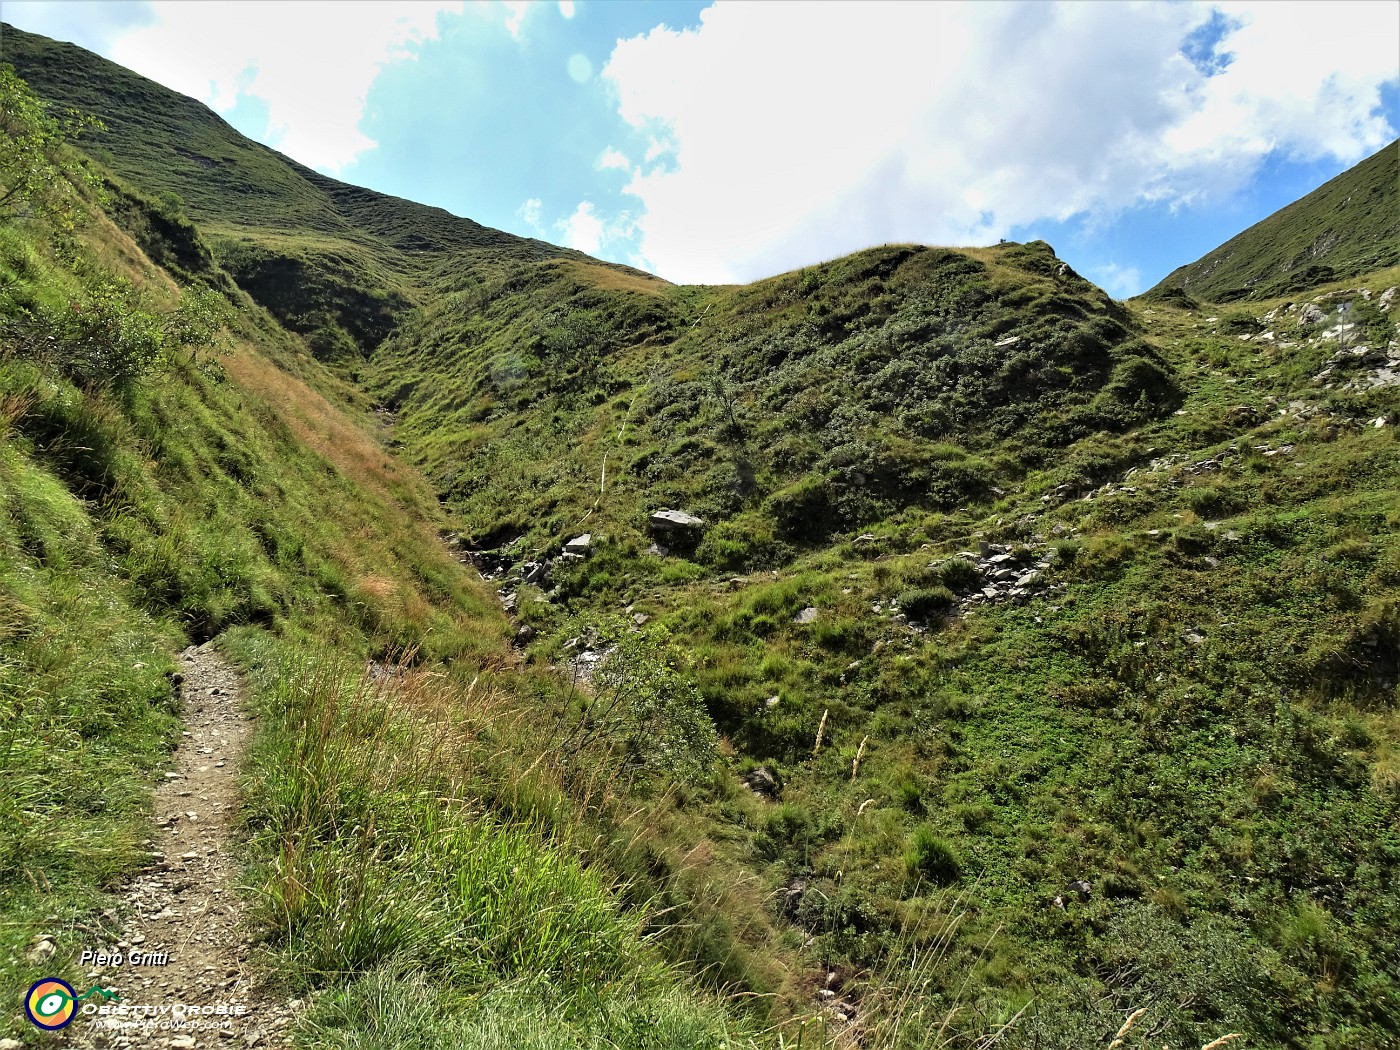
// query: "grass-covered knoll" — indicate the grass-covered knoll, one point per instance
point(1346, 228)
point(780, 412)
point(1193, 717)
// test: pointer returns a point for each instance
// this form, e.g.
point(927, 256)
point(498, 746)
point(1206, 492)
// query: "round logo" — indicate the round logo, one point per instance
point(50, 1004)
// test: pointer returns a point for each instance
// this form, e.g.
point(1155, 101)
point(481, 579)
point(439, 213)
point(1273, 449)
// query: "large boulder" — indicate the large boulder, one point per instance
point(672, 520)
point(762, 782)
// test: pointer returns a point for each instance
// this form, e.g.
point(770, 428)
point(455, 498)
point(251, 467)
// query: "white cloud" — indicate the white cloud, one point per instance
point(1119, 281)
point(531, 213)
point(92, 24)
point(516, 10)
point(311, 63)
point(584, 229)
point(599, 235)
point(566, 8)
point(787, 137)
point(613, 159)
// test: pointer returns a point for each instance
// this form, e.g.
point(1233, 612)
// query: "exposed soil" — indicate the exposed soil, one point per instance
point(186, 905)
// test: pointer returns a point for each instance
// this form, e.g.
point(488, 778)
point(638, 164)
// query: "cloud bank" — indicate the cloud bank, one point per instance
point(312, 64)
point(783, 135)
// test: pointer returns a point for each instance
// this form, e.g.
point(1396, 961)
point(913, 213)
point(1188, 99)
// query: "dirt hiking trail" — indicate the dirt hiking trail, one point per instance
point(185, 906)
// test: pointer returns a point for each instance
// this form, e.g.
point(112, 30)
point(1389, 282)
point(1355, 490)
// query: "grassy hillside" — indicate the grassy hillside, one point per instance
point(1346, 228)
point(1021, 660)
point(175, 467)
point(1124, 756)
point(781, 413)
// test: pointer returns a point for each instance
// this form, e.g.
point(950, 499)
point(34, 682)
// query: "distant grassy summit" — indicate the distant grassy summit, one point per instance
point(1344, 228)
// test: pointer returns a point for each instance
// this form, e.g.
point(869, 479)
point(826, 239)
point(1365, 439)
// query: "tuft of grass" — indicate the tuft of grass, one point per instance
point(931, 857)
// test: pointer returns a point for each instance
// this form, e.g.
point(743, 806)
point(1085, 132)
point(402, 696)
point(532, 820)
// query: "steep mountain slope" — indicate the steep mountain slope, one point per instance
point(1348, 227)
point(1052, 642)
point(1056, 622)
point(337, 263)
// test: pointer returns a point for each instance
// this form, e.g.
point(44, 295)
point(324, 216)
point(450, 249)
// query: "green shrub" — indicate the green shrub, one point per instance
point(788, 827)
point(1210, 502)
point(960, 575)
point(827, 907)
point(841, 634)
point(109, 335)
point(743, 542)
point(909, 794)
point(931, 857)
point(923, 603)
point(973, 814)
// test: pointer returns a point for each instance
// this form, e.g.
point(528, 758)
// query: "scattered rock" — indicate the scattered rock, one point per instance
point(1311, 314)
point(807, 615)
point(658, 551)
point(579, 544)
point(762, 782)
point(792, 895)
point(43, 949)
point(1080, 888)
point(536, 572)
point(670, 520)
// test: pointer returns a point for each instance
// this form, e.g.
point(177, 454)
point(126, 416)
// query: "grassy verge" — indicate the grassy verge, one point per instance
point(86, 718)
point(420, 918)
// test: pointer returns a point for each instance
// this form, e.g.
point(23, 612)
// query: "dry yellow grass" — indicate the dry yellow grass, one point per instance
point(324, 428)
point(378, 587)
point(1126, 1027)
point(612, 279)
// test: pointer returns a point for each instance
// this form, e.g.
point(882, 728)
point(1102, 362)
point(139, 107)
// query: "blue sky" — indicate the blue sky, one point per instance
point(725, 142)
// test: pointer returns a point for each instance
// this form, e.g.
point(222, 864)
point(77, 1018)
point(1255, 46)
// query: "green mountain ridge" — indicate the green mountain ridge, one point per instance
point(1031, 658)
point(1348, 227)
